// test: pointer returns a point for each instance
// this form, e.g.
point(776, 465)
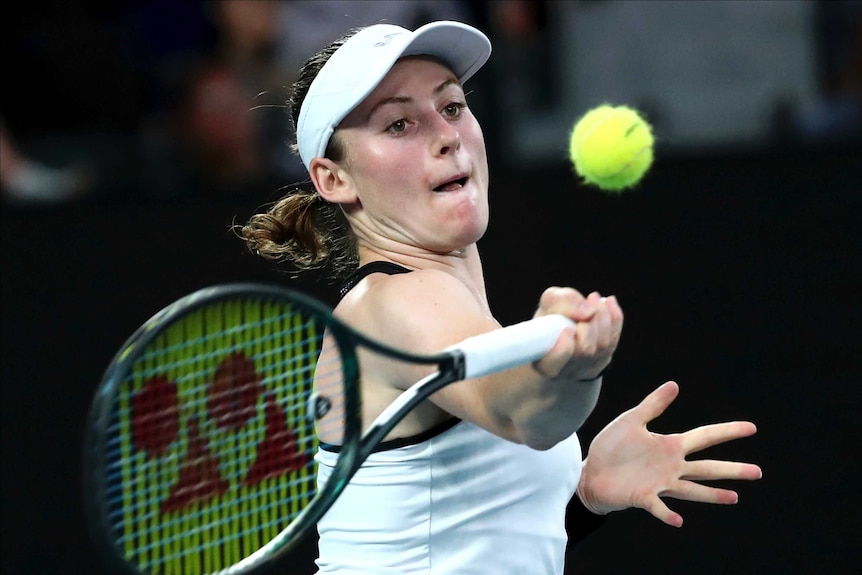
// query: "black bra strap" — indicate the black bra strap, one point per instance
point(368, 269)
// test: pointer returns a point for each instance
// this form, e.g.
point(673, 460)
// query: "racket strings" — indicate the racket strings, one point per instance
point(210, 452)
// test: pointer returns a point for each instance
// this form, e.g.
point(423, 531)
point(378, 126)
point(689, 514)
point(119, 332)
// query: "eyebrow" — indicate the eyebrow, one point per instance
point(407, 99)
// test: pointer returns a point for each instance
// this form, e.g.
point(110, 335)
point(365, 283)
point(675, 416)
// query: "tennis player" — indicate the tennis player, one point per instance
point(477, 480)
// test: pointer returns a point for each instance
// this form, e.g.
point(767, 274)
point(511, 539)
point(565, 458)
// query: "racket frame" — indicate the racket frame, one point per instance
point(95, 453)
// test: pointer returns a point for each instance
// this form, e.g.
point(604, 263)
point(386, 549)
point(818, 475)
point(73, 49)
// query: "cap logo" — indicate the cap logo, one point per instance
point(386, 39)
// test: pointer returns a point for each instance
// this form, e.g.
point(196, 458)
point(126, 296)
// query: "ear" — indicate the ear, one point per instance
point(332, 182)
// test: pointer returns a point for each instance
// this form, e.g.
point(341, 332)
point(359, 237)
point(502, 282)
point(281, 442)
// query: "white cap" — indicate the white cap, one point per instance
point(355, 69)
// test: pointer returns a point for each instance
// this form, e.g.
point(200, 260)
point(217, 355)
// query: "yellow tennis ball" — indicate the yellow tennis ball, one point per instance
point(611, 147)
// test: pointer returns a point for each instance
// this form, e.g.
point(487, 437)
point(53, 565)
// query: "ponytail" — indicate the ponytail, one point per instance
point(303, 229)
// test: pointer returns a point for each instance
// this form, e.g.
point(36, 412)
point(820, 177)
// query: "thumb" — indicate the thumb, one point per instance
point(654, 404)
point(553, 362)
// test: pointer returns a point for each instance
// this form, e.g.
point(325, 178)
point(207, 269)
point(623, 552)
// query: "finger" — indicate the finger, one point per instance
point(590, 334)
point(691, 491)
point(553, 362)
point(600, 325)
point(586, 338)
point(655, 403)
point(617, 317)
point(708, 435)
point(566, 301)
point(658, 509)
point(614, 306)
point(610, 325)
point(710, 470)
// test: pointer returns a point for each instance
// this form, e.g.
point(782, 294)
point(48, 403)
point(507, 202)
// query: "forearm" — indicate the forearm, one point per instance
point(556, 410)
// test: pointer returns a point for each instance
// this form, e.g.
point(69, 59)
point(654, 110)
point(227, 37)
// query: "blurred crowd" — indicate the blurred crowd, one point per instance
point(158, 99)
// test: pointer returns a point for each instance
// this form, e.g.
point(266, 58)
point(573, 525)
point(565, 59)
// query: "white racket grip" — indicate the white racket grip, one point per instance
point(510, 346)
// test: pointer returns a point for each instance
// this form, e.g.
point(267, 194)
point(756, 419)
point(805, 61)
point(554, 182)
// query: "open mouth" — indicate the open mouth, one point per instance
point(451, 185)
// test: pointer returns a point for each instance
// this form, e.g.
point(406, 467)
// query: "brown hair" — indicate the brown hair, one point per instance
point(302, 228)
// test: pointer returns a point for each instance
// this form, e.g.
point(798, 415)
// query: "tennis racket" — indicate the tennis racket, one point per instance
point(200, 441)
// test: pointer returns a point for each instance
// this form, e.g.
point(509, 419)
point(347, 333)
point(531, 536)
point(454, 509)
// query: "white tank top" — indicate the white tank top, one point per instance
point(463, 502)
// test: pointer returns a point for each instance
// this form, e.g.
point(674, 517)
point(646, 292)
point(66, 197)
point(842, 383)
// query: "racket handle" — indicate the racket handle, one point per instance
point(511, 346)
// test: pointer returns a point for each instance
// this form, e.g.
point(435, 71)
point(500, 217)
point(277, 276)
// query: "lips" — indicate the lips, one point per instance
point(453, 184)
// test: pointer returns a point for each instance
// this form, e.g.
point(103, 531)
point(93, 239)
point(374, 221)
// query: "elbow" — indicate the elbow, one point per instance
point(543, 440)
point(542, 443)
point(545, 428)
point(549, 418)
point(532, 433)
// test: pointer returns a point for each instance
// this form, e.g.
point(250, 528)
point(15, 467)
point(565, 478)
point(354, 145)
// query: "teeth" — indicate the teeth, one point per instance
point(450, 185)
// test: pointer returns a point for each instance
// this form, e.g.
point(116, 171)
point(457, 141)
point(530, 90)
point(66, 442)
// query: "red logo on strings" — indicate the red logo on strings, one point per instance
point(232, 399)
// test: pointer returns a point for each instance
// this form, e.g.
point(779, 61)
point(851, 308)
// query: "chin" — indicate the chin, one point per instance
point(471, 234)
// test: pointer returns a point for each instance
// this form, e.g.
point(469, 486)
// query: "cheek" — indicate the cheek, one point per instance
point(377, 167)
point(474, 140)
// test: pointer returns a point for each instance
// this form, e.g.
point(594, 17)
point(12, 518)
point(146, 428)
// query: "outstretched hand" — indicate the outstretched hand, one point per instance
point(629, 466)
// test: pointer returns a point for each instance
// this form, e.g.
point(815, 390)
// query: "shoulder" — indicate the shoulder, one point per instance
point(422, 311)
point(384, 295)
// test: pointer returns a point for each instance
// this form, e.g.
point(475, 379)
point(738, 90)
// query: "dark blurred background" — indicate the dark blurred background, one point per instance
point(135, 133)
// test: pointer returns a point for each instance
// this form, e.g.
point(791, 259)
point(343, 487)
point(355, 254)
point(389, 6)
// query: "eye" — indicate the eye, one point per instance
point(454, 109)
point(397, 126)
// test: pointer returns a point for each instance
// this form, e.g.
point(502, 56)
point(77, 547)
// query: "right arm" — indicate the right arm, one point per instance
point(536, 405)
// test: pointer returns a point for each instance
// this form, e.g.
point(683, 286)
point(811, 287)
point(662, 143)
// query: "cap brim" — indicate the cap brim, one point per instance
point(462, 47)
point(355, 70)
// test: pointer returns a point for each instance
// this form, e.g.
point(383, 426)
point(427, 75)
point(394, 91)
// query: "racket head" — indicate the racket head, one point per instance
point(200, 441)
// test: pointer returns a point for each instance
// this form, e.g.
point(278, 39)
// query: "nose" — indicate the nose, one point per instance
point(447, 138)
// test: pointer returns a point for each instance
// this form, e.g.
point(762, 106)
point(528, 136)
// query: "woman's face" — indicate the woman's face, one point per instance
point(416, 158)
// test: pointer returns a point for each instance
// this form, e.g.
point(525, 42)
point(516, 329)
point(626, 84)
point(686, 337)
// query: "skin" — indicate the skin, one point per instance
point(629, 466)
point(414, 188)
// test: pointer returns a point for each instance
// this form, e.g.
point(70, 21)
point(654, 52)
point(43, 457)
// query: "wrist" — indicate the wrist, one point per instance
point(596, 377)
point(582, 496)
